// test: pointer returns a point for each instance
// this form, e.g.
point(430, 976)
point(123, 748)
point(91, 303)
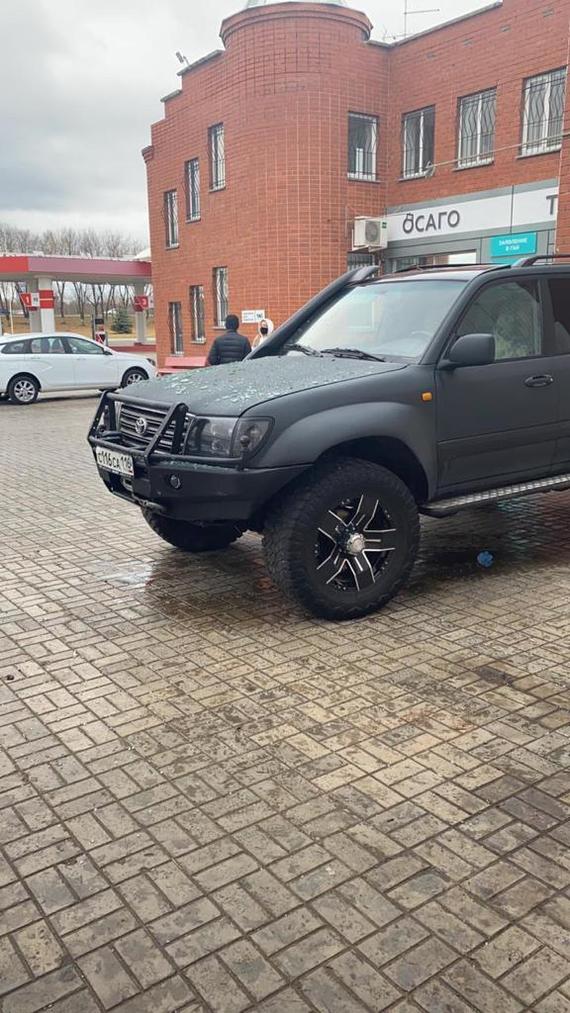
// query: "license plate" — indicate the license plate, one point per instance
point(119, 464)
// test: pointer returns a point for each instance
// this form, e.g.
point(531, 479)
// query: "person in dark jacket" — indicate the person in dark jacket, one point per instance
point(231, 346)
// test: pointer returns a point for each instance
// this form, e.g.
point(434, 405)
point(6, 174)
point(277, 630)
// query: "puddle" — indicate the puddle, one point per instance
point(494, 676)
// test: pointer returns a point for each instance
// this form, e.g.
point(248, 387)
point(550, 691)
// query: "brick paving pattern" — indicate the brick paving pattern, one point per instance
point(211, 802)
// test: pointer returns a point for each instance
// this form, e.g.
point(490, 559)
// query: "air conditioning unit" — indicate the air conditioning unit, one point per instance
point(370, 234)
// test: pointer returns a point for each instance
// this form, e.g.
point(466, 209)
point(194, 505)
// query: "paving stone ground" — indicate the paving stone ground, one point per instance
point(209, 801)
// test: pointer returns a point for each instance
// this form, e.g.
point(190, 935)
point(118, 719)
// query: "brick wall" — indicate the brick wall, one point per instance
point(282, 225)
point(563, 229)
point(283, 87)
point(497, 48)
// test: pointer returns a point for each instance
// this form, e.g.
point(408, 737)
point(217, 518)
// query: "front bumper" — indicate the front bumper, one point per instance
point(200, 492)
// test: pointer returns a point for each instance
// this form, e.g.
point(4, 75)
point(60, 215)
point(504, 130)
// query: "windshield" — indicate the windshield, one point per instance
point(392, 320)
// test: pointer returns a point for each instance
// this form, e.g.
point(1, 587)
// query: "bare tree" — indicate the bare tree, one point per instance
point(72, 242)
point(80, 299)
point(5, 296)
point(16, 240)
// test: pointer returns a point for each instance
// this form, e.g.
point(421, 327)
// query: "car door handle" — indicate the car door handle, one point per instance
point(539, 381)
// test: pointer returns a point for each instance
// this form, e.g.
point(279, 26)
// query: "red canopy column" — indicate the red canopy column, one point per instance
point(42, 312)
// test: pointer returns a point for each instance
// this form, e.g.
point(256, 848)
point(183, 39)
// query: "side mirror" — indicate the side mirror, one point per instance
point(471, 350)
point(107, 351)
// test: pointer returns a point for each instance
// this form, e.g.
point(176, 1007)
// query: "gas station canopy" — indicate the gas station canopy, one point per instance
point(39, 273)
point(92, 270)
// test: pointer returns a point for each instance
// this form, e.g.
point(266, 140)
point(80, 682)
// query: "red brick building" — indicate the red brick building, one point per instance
point(275, 145)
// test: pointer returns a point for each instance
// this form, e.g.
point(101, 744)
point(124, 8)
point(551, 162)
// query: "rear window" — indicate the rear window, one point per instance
point(15, 348)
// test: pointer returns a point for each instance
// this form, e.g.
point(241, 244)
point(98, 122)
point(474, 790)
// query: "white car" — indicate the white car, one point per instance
point(48, 362)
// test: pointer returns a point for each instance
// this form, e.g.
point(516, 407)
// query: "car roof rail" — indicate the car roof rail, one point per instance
point(361, 274)
point(531, 261)
point(448, 267)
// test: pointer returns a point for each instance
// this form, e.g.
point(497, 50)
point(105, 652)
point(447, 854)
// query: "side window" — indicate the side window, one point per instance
point(560, 298)
point(39, 346)
point(79, 346)
point(56, 346)
point(511, 312)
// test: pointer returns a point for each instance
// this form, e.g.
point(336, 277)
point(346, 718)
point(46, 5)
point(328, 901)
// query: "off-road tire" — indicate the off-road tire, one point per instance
point(192, 537)
point(291, 531)
point(17, 384)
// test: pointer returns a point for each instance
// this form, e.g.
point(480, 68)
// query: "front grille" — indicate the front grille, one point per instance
point(130, 414)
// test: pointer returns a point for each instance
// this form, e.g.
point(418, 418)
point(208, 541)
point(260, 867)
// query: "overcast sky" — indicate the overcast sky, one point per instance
point(80, 83)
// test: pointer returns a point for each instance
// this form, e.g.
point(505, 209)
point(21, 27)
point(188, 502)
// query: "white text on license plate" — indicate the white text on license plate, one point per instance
point(119, 464)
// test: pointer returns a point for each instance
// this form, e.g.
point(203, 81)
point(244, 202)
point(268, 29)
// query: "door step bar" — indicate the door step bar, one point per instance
point(445, 507)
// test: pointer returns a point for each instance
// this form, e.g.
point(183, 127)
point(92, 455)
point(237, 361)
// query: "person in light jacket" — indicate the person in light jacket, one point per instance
point(266, 327)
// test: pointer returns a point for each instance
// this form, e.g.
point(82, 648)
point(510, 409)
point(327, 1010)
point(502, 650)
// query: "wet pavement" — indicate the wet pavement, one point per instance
point(209, 801)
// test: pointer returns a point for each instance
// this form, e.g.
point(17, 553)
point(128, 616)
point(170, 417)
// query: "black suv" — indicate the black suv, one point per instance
point(419, 392)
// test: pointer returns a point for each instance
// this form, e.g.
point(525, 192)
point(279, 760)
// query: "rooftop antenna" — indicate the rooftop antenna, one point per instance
point(408, 13)
point(182, 59)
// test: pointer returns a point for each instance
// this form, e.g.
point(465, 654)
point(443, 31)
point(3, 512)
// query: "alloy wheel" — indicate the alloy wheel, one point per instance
point(24, 390)
point(354, 544)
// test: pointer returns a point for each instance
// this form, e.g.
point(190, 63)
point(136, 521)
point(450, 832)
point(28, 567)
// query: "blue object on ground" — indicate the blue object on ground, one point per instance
point(485, 559)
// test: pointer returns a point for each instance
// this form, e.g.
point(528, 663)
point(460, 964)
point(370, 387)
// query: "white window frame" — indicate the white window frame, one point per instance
point(479, 158)
point(421, 113)
point(193, 208)
point(221, 295)
point(197, 313)
point(175, 326)
point(543, 144)
point(217, 146)
point(358, 171)
point(171, 218)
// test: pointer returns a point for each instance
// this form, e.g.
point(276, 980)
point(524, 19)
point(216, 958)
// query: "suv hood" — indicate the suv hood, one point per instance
point(233, 389)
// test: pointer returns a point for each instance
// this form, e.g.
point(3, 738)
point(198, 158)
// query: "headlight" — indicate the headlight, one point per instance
point(225, 437)
point(211, 437)
point(249, 434)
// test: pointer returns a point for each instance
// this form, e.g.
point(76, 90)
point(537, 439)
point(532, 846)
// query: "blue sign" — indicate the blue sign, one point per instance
point(521, 245)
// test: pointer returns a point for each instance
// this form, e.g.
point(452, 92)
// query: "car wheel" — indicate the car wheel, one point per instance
point(23, 389)
point(192, 537)
point(134, 375)
point(344, 541)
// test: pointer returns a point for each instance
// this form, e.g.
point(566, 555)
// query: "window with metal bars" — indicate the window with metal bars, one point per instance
point(171, 217)
point(477, 115)
point(543, 112)
point(355, 259)
point(197, 315)
point(193, 190)
point(362, 146)
point(217, 157)
point(175, 327)
point(418, 130)
point(221, 295)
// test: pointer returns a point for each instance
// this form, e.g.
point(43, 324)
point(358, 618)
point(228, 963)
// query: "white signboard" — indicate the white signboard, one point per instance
point(252, 316)
point(505, 211)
